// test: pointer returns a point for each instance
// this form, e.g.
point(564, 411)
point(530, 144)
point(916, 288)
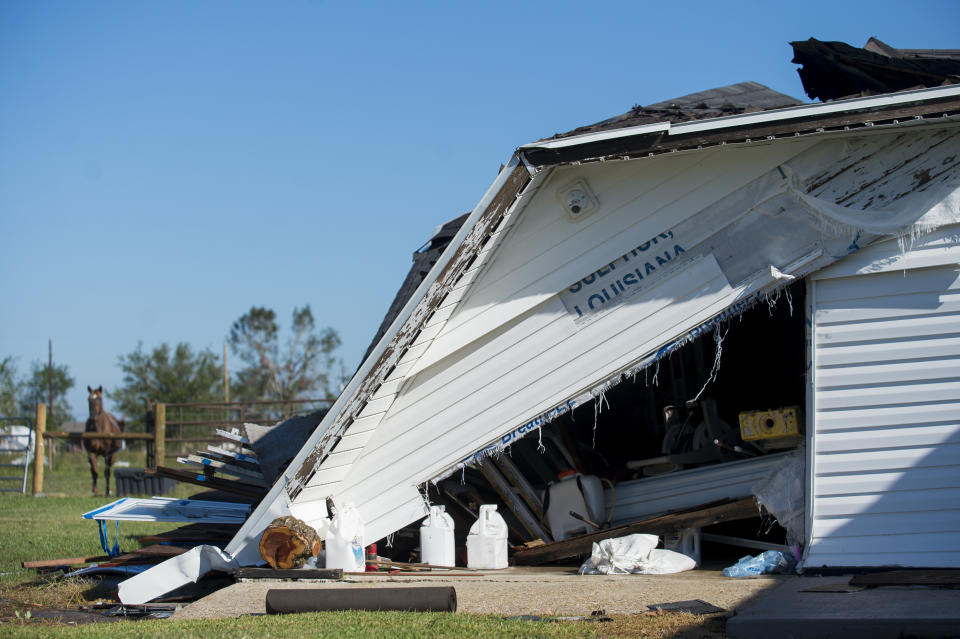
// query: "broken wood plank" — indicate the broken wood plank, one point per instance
point(68, 561)
point(245, 454)
point(222, 467)
point(527, 492)
point(230, 486)
point(236, 437)
point(671, 523)
point(510, 499)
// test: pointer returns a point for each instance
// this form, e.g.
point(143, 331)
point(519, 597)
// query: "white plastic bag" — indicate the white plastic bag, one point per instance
point(665, 562)
point(620, 555)
point(636, 554)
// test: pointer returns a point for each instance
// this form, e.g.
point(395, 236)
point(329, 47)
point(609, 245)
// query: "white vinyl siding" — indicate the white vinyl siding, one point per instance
point(886, 425)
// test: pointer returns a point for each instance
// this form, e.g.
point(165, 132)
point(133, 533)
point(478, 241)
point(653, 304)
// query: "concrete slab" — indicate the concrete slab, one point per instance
point(873, 613)
point(518, 591)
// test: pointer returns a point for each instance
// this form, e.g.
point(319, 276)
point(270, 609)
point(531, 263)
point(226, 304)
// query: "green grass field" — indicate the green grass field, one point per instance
point(50, 527)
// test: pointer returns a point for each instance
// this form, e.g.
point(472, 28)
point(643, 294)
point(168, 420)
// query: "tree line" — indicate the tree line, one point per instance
point(300, 367)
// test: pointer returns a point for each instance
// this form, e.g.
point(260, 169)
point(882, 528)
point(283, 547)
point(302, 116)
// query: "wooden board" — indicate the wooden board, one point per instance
point(230, 486)
point(706, 515)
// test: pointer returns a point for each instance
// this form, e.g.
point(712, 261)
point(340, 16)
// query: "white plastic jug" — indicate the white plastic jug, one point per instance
point(583, 494)
point(436, 538)
point(487, 541)
point(686, 541)
point(345, 541)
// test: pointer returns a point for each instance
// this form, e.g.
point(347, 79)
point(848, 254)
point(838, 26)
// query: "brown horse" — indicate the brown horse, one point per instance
point(100, 421)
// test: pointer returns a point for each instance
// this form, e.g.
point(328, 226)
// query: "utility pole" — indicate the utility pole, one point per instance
point(50, 379)
point(226, 376)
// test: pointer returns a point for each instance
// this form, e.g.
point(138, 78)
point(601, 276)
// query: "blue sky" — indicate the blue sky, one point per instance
point(164, 166)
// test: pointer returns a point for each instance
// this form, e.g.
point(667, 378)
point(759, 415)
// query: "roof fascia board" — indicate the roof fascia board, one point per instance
point(566, 149)
point(266, 511)
point(816, 110)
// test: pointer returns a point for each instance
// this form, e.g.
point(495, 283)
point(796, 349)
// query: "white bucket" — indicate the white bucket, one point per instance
point(436, 538)
point(487, 541)
point(345, 541)
point(583, 494)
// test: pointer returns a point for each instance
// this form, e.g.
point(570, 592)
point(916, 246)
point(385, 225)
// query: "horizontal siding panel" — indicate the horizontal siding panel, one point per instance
point(928, 499)
point(912, 305)
point(399, 372)
point(880, 460)
point(893, 544)
point(354, 440)
point(312, 493)
point(888, 372)
point(888, 329)
point(388, 388)
point(413, 353)
point(909, 479)
point(364, 424)
point(901, 437)
point(377, 406)
point(928, 391)
point(884, 285)
point(427, 335)
point(886, 416)
point(891, 351)
point(873, 528)
point(327, 478)
point(916, 558)
point(339, 458)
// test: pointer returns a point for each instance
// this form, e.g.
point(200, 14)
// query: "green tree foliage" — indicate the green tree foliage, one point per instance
point(36, 390)
point(301, 369)
point(9, 387)
point(166, 375)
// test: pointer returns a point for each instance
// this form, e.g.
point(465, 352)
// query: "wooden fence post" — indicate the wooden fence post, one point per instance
point(39, 428)
point(159, 445)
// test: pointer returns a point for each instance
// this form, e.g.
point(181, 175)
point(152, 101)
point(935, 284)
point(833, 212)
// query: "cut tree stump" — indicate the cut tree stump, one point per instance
point(288, 542)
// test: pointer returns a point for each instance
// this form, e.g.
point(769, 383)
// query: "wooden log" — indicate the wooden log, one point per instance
point(705, 515)
point(288, 542)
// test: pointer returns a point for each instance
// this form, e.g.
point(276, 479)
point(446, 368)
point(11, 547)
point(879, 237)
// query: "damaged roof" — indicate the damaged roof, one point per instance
point(833, 70)
point(743, 97)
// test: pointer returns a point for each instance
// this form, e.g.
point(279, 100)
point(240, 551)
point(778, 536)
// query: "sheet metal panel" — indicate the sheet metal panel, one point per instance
point(886, 424)
point(651, 496)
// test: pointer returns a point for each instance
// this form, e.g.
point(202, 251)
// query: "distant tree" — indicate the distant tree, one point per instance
point(9, 387)
point(166, 375)
point(299, 370)
point(35, 390)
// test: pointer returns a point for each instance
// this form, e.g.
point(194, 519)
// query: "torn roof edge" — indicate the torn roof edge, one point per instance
point(749, 119)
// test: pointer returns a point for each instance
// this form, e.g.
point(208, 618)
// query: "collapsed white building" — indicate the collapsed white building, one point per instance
point(594, 255)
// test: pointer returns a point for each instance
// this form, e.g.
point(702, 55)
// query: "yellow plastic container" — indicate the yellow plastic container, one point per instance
point(770, 424)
